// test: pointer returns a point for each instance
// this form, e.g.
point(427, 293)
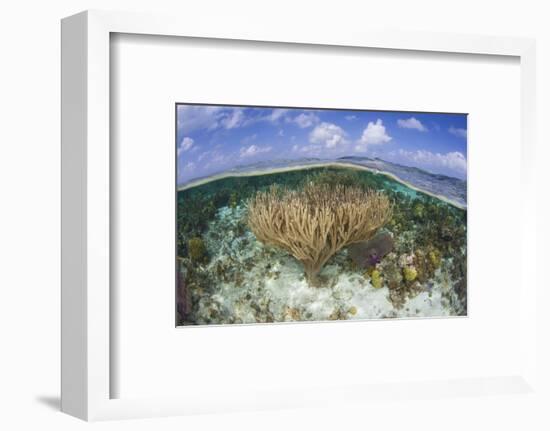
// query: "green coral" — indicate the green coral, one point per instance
point(376, 279)
point(197, 250)
point(418, 211)
point(333, 177)
point(435, 258)
point(426, 262)
point(410, 273)
point(233, 199)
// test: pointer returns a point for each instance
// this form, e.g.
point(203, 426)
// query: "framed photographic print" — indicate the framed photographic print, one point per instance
point(265, 218)
point(291, 214)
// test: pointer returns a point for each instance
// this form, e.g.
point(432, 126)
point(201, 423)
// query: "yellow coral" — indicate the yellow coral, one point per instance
point(291, 313)
point(410, 273)
point(197, 249)
point(376, 279)
point(435, 258)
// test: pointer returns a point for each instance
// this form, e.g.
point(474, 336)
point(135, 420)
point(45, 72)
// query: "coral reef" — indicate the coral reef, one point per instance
point(410, 273)
point(317, 221)
point(197, 250)
point(183, 295)
point(233, 199)
point(234, 277)
point(366, 254)
point(247, 282)
point(376, 279)
point(334, 177)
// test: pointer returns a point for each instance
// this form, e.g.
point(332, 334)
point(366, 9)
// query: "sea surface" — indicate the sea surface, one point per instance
point(453, 189)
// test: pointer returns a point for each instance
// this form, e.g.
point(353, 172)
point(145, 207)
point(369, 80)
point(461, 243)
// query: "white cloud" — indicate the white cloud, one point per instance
point(214, 158)
point(277, 114)
point(350, 117)
point(374, 134)
point(233, 119)
point(461, 133)
point(189, 167)
point(453, 161)
point(329, 135)
point(198, 117)
point(253, 150)
point(193, 117)
point(305, 120)
point(311, 150)
point(185, 145)
point(281, 133)
point(412, 123)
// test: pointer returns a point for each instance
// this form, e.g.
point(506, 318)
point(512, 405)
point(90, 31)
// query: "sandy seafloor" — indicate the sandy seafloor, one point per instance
point(258, 283)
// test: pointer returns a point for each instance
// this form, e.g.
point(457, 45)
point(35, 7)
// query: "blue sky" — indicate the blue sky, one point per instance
point(211, 139)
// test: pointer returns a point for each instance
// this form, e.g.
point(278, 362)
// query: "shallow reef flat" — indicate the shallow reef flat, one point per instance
point(227, 276)
point(451, 190)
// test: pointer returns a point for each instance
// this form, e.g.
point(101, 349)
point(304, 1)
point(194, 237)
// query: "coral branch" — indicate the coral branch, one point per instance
point(315, 222)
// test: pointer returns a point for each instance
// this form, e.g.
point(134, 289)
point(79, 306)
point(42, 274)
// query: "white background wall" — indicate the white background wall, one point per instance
point(30, 182)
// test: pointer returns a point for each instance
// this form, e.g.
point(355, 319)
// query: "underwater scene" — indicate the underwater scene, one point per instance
point(319, 225)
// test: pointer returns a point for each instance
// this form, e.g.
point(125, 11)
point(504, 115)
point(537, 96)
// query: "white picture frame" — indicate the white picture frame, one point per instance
point(86, 312)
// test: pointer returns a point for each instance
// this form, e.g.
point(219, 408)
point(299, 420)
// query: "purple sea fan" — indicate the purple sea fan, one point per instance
point(366, 254)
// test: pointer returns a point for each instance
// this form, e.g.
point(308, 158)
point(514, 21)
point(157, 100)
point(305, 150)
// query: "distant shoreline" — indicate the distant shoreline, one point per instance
point(224, 175)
